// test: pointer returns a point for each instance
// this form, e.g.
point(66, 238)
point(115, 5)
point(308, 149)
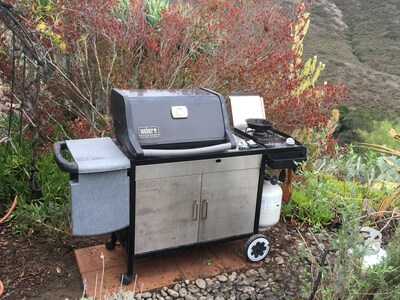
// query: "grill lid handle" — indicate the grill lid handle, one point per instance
point(184, 152)
point(63, 164)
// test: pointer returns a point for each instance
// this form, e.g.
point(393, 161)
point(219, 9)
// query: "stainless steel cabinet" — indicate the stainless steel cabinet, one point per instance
point(195, 201)
point(164, 212)
point(228, 204)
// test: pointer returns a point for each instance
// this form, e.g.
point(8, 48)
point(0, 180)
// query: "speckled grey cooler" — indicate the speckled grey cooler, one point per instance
point(100, 194)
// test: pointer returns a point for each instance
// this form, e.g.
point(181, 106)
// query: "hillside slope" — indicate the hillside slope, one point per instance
point(359, 41)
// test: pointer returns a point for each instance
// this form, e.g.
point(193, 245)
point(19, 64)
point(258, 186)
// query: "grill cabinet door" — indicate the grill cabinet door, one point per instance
point(165, 212)
point(228, 204)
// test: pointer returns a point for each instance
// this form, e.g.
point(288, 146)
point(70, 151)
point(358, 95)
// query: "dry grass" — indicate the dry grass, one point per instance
point(359, 41)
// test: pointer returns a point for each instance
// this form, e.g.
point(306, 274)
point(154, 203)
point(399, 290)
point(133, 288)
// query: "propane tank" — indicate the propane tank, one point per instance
point(374, 253)
point(271, 202)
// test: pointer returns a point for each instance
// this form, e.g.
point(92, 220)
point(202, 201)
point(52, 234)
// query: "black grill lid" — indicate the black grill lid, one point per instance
point(169, 119)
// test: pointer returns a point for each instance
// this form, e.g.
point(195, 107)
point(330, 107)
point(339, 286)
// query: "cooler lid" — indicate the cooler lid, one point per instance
point(97, 155)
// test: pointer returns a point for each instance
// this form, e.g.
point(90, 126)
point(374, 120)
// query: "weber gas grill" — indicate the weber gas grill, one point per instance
point(187, 181)
point(175, 176)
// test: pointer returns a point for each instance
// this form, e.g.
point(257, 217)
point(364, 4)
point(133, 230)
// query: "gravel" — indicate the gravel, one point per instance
point(201, 284)
point(279, 260)
point(277, 277)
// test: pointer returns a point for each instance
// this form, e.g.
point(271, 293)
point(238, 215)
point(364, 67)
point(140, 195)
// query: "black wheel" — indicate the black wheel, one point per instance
point(126, 279)
point(110, 245)
point(256, 248)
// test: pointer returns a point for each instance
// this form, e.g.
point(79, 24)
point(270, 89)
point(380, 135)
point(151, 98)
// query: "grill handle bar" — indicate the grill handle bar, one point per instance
point(204, 208)
point(195, 210)
point(63, 164)
point(184, 152)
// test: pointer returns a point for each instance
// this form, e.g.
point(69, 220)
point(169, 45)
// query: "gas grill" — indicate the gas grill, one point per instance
point(175, 176)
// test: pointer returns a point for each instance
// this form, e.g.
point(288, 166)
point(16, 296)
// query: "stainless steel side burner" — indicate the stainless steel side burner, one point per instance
point(283, 152)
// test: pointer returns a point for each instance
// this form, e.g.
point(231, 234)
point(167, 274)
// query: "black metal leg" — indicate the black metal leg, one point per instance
point(130, 247)
point(110, 244)
point(128, 276)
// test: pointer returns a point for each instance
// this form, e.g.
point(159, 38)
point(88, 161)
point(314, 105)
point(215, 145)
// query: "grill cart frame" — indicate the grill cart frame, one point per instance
point(176, 176)
point(203, 210)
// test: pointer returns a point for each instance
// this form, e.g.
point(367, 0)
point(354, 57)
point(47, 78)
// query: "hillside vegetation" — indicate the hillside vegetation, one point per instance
point(360, 43)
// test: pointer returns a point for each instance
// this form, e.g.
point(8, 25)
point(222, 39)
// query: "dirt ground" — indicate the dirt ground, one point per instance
point(35, 268)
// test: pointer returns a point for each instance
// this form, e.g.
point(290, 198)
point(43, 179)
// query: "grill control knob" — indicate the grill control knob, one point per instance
point(290, 142)
point(243, 145)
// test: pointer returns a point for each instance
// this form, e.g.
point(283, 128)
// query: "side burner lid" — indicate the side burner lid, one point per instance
point(245, 106)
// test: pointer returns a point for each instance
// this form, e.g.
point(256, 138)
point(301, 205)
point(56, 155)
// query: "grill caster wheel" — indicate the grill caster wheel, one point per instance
point(256, 248)
point(126, 279)
point(110, 245)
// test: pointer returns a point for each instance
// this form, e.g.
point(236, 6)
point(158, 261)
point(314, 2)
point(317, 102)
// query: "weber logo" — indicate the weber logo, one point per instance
point(148, 132)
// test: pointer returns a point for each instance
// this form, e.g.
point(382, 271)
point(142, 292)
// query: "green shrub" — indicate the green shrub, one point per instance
point(15, 164)
point(47, 218)
point(368, 168)
point(379, 133)
point(53, 182)
point(342, 275)
point(383, 281)
point(333, 183)
point(45, 209)
point(367, 126)
point(316, 200)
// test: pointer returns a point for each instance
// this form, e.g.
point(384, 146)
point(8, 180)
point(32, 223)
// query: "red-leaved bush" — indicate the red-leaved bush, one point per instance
point(221, 45)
